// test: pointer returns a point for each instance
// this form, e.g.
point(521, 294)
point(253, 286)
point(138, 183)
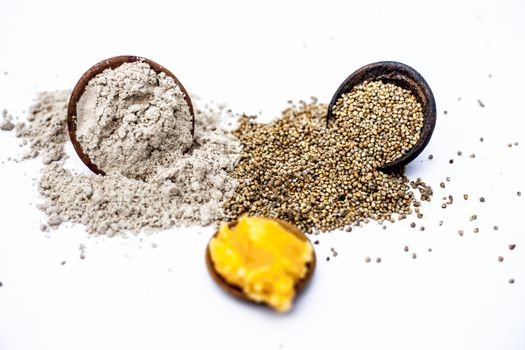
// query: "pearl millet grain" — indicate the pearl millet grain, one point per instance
point(324, 177)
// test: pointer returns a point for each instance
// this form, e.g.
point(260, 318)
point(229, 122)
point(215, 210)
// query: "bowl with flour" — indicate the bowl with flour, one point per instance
point(131, 116)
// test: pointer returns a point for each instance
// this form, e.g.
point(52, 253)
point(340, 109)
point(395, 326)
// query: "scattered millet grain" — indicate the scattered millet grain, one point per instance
point(465, 196)
point(460, 153)
point(440, 222)
point(460, 232)
point(414, 255)
point(378, 260)
point(481, 139)
point(367, 259)
point(473, 155)
point(334, 252)
point(424, 190)
point(444, 205)
point(447, 178)
point(82, 249)
point(482, 199)
point(451, 161)
point(430, 157)
point(500, 258)
point(516, 144)
point(481, 104)
point(496, 227)
point(476, 230)
point(442, 185)
point(509, 145)
point(511, 281)
point(518, 193)
point(406, 248)
point(473, 217)
point(422, 228)
point(512, 246)
point(430, 250)
point(413, 225)
point(325, 177)
point(316, 242)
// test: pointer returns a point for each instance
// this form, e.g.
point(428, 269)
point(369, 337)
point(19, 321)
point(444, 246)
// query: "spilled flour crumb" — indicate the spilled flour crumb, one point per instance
point(188, 191)
point(46, 127)
point(6, 124)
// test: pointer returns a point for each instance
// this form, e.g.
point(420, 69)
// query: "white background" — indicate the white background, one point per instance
point(255, 56)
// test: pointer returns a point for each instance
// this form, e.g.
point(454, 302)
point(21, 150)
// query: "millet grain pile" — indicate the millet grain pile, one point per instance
point(321, 177)
point(381, 121)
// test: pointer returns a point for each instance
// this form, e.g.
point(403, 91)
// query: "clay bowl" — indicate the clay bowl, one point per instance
point(237, 291)
point(403, 76)
point(80, 87)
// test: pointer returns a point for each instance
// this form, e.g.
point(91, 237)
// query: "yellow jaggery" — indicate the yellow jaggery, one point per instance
point(263, 258)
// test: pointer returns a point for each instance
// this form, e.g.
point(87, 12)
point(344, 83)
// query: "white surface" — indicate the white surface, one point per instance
point(127, 295)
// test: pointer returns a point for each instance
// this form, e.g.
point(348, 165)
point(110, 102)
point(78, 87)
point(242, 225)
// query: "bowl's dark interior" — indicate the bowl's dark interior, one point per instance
point(406, 77)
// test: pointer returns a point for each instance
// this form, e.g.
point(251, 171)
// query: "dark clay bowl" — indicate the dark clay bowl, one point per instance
point(236, 290)
point(79, 89)
point(403, 76)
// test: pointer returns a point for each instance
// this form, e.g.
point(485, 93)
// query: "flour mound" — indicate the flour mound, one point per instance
point(187, 190)
point(133, 121)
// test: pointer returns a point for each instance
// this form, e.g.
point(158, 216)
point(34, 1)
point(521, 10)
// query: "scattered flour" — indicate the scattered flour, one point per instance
point(6, 124)
point(189, 190)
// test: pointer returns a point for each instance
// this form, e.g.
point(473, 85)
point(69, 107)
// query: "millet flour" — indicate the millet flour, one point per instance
point(133, 121)
point(186, 190)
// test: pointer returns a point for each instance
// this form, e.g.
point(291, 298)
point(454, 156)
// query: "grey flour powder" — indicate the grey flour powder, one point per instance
point(186, 181)
point(6, 124)
point(133, 121)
